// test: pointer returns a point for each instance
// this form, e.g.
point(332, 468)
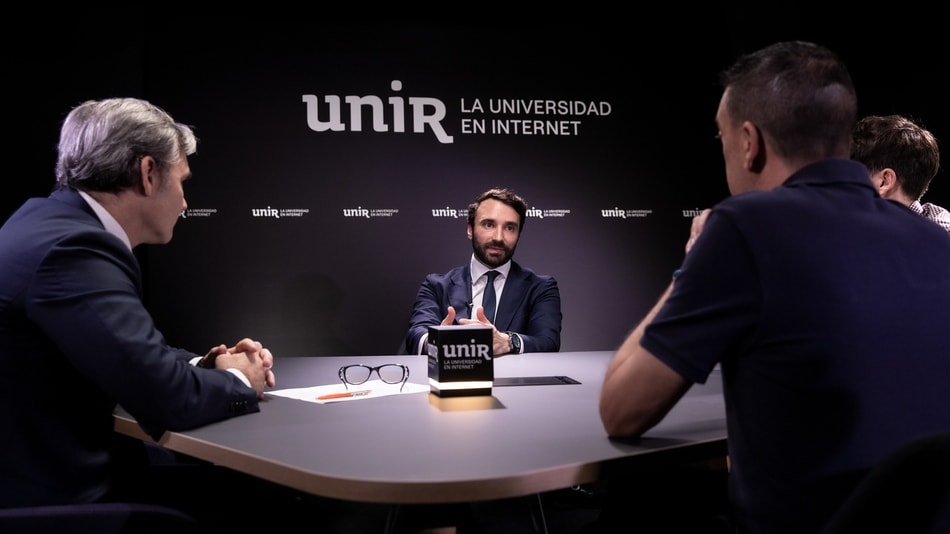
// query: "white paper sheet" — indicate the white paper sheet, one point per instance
point(376, 388)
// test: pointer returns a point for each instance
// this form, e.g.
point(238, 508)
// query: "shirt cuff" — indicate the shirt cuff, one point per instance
point(240, 375)
point(235, 372)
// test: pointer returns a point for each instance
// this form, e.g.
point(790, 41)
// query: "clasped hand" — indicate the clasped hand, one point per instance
point(501, 345)
point(248, 356)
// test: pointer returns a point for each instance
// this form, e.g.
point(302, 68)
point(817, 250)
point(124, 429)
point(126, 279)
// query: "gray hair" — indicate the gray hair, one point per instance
point(102, 143)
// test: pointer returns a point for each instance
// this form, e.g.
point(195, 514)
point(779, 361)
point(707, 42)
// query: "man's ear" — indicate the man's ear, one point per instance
point(888, 186)
point(148, 176)
point(468, 231)
point(754, 147)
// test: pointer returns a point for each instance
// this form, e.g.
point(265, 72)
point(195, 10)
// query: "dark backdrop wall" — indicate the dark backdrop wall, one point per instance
point(312, 231)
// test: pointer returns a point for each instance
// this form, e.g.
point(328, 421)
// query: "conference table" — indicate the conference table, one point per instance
point(418, 448)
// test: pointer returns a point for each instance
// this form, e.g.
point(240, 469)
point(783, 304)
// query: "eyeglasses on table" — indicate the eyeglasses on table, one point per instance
point(390, 373)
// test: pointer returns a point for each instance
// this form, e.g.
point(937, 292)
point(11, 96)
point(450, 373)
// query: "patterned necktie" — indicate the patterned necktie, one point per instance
point(488, 297)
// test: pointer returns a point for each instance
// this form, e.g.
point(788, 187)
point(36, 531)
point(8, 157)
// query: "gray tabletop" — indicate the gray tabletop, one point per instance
point(419, 448)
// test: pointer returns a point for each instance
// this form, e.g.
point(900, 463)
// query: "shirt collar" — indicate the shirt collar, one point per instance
point(478, 269)
point(108, 221)
point(831, 170)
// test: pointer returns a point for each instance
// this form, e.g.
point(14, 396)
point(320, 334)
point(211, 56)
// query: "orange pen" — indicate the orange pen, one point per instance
point(344, 395)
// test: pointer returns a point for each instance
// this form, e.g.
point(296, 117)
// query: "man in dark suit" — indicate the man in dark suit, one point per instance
point(528, 317)
point(75, 337)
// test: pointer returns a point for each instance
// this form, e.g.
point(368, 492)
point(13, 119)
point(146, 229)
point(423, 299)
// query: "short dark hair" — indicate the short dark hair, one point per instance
point(799, 94)
point(897, 142)
point(500, 194)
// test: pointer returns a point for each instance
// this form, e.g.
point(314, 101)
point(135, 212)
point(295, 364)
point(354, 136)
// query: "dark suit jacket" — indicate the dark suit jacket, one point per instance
point(530, 305)
point(75, 340)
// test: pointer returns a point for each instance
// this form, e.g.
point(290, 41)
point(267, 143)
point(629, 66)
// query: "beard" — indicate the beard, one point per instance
point(492, 258)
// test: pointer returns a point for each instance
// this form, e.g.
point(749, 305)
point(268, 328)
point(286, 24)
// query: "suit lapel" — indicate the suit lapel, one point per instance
point(511, 297)
point(460, 293)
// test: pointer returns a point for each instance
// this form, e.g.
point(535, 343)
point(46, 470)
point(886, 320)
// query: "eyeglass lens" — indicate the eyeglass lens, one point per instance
point(390, 373)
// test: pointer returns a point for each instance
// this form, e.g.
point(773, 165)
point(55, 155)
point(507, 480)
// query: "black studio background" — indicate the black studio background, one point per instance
point(317, 278)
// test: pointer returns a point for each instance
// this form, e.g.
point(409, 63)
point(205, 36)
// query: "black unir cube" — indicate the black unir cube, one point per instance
point(460, 360)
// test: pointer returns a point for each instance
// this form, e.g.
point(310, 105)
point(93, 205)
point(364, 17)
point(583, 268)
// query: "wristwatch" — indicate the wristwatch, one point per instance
point(514, 343)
